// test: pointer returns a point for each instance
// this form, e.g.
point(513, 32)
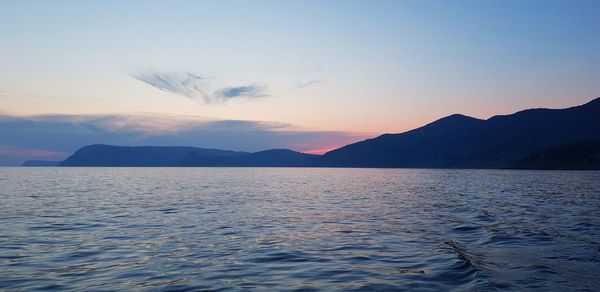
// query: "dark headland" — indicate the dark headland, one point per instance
point(530, 139)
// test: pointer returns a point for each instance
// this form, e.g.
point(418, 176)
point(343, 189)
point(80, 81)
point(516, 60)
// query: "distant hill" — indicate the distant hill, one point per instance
point(41, 163)
point(578, 155)
point(267, 158)
point(459, 141)
point(521, 140)
point(107, 155)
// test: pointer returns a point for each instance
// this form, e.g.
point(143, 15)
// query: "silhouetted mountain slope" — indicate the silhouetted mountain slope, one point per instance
point(274, 157)
point(578, 155)
point(459, 141)
point(279, 157)
point(106, 155)
point(456, 141)
point(41, 163)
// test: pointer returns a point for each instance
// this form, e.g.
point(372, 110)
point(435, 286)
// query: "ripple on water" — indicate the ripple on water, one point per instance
point(171, 229)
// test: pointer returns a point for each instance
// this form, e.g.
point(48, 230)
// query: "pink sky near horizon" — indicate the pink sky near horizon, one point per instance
point(322, 151)
point(8, 150)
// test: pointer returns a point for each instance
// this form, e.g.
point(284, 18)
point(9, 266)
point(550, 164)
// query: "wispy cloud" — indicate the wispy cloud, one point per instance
point(309, 83)
point(182, 83)
point(251, 91)
point(194, 86)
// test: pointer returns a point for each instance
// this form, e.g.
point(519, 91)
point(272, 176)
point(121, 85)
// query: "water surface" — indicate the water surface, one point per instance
point(298, 229)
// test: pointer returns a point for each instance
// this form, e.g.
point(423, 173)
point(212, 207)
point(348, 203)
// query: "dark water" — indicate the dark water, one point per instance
point(307, 229)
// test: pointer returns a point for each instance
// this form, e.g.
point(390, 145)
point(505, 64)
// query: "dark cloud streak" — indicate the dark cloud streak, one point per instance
point(309, 83)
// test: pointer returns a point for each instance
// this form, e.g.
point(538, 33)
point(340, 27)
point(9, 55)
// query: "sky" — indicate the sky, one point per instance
point(294, 72)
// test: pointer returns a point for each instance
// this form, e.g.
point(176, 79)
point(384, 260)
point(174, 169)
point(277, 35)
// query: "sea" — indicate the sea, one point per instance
point(298, 229)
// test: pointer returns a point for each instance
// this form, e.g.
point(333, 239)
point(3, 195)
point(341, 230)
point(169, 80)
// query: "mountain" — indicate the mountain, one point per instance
point(267, 158)
point(458, 141)
point(107, 155)
point(578, 155)
point(41, 163)
point(521, 140)
point(280, 157)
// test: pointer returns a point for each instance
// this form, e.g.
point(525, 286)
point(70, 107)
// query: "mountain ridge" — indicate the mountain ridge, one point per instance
point(465, 142)
point(156, 156)
point(454, 141)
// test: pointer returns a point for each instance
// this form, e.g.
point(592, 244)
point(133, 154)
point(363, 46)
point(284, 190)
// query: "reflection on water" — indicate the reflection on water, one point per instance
point(286, 229)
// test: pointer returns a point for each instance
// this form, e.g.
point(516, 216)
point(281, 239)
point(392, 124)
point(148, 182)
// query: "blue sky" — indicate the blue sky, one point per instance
point(362, 67)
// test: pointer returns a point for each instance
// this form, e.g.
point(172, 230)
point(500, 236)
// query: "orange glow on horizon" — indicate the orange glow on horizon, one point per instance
point(321, 151)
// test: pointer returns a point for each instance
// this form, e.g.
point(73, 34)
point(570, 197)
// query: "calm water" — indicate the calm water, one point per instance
point(305, 229)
